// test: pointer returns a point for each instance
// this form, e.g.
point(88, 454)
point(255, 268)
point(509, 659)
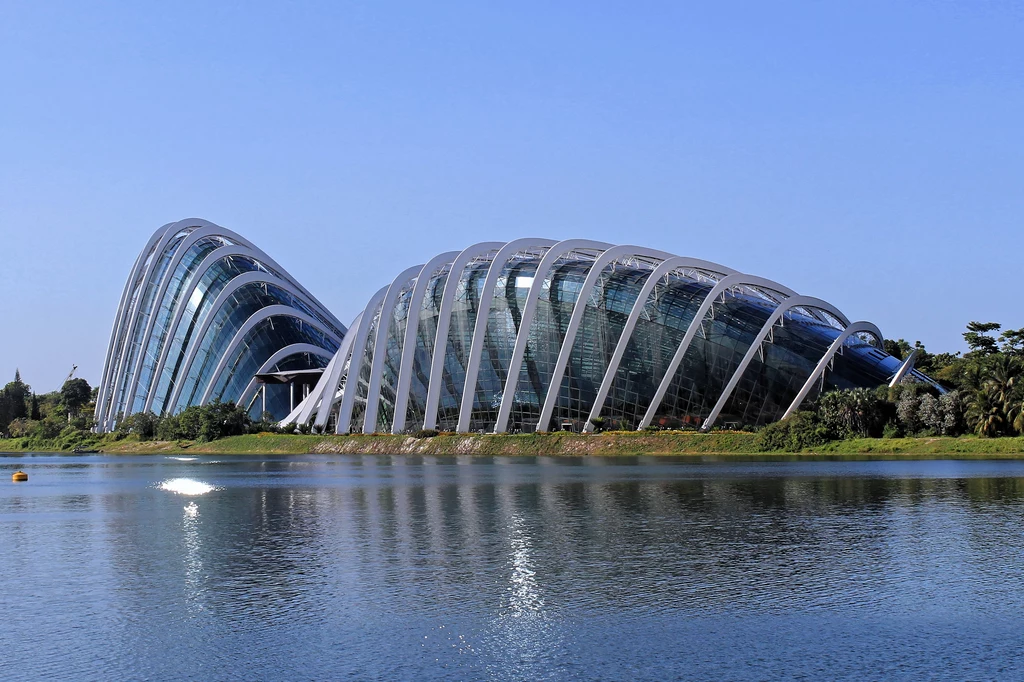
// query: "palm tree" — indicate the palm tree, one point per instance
point(1003, 376)
point(987, 414)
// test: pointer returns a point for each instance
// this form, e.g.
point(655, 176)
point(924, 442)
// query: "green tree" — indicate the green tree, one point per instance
point(74, 395)
point(987, 415)
point(979, 337)
point(899, 349)
point(1011, 342)
point(141, 424)
point(18, 391)
point(854, 412)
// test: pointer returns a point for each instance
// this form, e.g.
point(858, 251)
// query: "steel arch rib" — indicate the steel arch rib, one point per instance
point(666, 268)
point(132, 318)
point(358, 350)
point(784, 307)
point(444, 322)
point(329, 380)
point(194, 224)
point(578, 309)
point(726, 283)
point(209, 261)
point(254, 319)
point(554, 254)
point(826, 359)
point(406, 368)
point(243, 250)
point(380, 343)
point(218, 303)
point(179, 254)
point(501, 258)
point(264, 258)
point(314, 394)
point(905, 368)
point(119, 322)
point(287, 351)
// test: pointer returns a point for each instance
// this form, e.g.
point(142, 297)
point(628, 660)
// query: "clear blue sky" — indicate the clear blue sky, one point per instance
point(868, 153)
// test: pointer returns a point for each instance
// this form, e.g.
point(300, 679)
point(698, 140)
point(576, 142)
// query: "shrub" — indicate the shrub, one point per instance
point(954, 413)
point(858, 412)
point(798, 431)
point(425, 433)
point(141, 424)
point(908, 412)
point(22, 427)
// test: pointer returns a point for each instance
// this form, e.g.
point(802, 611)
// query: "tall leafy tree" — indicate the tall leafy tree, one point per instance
point(1012, 341)
point(74, 395)
point(979, 337)
point(17, 392)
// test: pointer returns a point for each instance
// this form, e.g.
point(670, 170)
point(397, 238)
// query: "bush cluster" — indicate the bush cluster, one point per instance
point(198, 422)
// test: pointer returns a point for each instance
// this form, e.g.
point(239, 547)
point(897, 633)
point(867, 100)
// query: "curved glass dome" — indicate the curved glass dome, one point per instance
point(538, 335)
point(204, 310)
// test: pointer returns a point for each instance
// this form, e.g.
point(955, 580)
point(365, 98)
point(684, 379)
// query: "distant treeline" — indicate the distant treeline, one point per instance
point(56, 416)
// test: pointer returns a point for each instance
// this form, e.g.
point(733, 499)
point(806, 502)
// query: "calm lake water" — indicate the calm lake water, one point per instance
point(348, 567)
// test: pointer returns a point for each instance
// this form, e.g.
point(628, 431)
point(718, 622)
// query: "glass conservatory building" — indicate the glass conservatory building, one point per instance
point(529, 335)
point(202, 312)
point(542, 335)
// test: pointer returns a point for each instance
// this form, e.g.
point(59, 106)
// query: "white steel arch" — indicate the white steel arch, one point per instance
point(444, 316)
point(606, 258)
point(905, 368)
point(286, 352)
point(222, 297)
point(348, 396)
point(130, 308)
point(504, 255)
point(724, 285)
point(554, 254)
point(119, 316)
point(826, 360)
point(407, 367)
point(209, 261)
point(132, 318)
point(326, 389)
point(179, 253)
point(666, 268)
point(254, 319)
point(755, 346)
point(267, 267)
point(380, 344)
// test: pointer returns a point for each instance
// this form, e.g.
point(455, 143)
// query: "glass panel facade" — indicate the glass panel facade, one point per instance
point(185, 342)
point(259, 343)
point(426, 335)
point(174, 295)
point(170, 302)
point(242, 304)
point(145, 303)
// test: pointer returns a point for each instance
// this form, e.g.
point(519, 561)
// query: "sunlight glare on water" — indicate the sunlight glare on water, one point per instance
point(186, 486)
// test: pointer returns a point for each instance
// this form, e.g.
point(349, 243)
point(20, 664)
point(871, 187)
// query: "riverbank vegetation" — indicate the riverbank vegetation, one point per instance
point(984, 397)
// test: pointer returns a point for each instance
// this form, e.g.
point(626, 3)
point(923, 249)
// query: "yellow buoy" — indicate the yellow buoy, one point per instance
point(19, 476)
